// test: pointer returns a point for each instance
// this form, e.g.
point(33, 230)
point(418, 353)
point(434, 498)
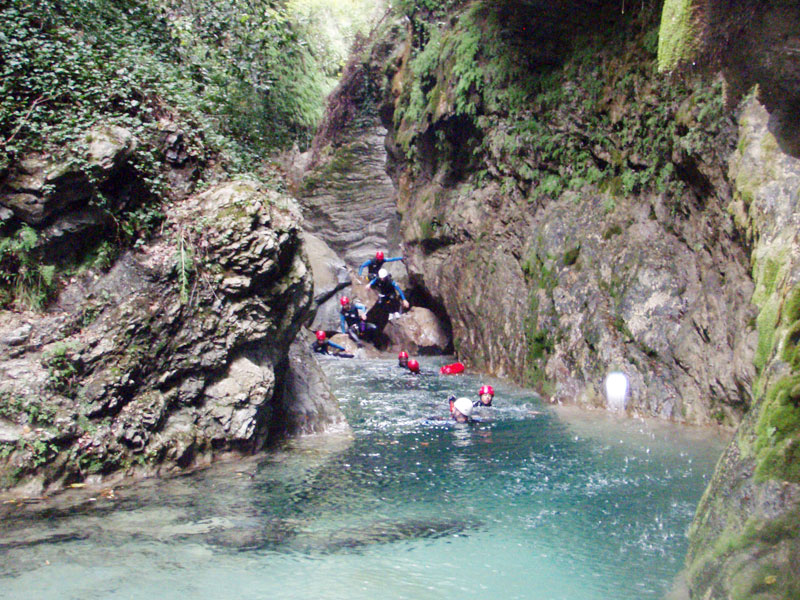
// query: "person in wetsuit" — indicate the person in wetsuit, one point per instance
point(460, 409)
point(373, 265)
point(390, 299)
point(323, 345)
point(402, 359)
point(352, 322)
point(485, 396)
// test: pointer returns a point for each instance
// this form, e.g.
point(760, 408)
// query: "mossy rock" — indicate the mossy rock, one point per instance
point(678, 35)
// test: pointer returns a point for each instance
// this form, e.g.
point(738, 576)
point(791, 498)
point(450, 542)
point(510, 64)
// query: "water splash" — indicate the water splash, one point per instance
point(617, 391)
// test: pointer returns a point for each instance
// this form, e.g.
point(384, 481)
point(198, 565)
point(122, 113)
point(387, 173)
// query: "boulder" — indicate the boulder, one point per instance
point(330, 276)
point(418, 331)
point(175, 354)
point(40, 186)
point(306, 403)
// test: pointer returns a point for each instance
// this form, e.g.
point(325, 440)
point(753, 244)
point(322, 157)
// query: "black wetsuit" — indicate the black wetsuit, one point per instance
point(374, 265)
point(389, 296)
point(323, 348)
point(353, 325)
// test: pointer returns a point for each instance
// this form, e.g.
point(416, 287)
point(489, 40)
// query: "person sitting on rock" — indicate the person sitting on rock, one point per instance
point(485, 396)
point(323, 345)
point(460, 409)
point(402, 359)
point(373, 265)
point(352, 323)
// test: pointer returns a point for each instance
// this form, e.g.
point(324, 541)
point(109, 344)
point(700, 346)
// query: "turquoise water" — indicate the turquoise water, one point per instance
point(532, 503)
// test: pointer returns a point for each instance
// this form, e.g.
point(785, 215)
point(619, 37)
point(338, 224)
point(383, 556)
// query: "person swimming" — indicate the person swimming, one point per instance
point(402, 359)
point(485, 396)
point(460, 409)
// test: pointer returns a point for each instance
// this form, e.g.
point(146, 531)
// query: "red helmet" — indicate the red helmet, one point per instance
point(345, 301)
point(320, 335)
point(379, 255)
point(486, 389)
point(413, 366)
point(403, 354)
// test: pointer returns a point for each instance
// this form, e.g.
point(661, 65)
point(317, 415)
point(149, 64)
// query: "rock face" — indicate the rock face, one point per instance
point(330, 276)
point(171, 358)
point(306, 403)
point(744, 540)
point(348, 199)
point(347, 196)
point(556, 286)
point(39, 187)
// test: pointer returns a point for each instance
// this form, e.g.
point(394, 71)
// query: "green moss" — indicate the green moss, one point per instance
point(766, 322)
point(777, 441)
point(677, 37)
point(766, 275)
point(791, 306)
point(756, 534)
point(571, 255)
point(611, 232)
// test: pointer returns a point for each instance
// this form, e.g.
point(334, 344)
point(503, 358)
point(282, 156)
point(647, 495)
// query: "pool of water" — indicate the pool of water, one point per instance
point(532, 502)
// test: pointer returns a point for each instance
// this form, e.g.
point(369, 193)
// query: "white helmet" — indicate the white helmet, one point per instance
point(383, 274)
point(464, 406)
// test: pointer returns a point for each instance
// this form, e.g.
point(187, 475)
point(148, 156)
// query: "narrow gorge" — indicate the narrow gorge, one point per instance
point(575, 188)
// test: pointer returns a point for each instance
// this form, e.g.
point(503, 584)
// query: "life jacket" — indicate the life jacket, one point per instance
point(385, 287)
point(351, 315)
point(374, 267)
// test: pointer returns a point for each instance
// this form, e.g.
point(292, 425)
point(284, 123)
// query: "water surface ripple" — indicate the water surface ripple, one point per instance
point(532, 502)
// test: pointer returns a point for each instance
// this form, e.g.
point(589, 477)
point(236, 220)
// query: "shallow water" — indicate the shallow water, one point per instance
point(531, 503)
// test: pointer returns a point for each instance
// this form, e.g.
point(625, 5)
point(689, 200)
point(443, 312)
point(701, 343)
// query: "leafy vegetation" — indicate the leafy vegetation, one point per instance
point(565, 118)
point(28, 410)
point(62, 369)
point(240, 70)
point(22, 276)
point(335, 26)
point(239, 79)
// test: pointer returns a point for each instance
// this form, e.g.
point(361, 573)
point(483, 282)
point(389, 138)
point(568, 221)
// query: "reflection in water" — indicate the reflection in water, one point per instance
point(538, 503)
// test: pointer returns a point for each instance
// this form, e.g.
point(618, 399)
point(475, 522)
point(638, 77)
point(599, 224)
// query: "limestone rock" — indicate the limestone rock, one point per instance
point(307, 404)
point(349, 200)
point(744, 539)
point(418, 331)
point(330, 276)
point(41, 186)
point(167, 357)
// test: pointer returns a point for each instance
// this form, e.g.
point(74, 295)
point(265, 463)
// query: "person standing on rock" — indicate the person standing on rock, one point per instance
point(352, 322)
point(373, 265)
point(323, 345)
